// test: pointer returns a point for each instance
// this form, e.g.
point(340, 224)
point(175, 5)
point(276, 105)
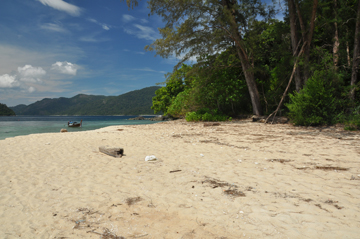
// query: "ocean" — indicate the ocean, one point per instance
point(24, 125)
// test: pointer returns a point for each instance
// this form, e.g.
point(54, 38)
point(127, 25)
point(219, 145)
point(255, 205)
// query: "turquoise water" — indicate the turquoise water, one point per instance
point(25, 125)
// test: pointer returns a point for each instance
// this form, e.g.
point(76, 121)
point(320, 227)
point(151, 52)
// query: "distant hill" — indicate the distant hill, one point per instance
point(6, 111)
point(132, 103)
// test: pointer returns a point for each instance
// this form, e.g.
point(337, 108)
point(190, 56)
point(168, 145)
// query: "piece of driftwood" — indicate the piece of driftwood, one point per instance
point(115, 152)
point(211, 124)
point(256, 118)
point(174, 171)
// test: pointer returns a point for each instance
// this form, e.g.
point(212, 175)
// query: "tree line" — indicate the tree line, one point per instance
point(305, 65)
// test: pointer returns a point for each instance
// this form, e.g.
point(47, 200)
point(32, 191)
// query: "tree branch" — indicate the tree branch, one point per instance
point(287, 88)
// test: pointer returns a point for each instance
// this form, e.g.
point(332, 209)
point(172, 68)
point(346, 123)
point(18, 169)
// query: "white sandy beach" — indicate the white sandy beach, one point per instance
point(236, 180)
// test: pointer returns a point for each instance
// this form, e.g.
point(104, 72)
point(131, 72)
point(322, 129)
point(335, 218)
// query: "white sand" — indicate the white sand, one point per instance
point(59, 185)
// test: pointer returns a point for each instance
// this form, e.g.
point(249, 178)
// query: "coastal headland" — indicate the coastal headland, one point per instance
point(233, 180)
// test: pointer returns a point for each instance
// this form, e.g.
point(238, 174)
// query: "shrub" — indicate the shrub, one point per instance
point(315, 103)
point(353, 121)
point(205, 114)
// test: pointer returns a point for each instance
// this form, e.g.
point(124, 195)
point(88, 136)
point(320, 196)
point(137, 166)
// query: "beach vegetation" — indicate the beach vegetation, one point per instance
point(245, 61)
point(315, 103)
point(176, 83)
point(205, 114)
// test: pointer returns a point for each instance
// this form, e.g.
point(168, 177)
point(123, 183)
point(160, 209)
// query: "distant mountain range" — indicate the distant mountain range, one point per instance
point(132, 103)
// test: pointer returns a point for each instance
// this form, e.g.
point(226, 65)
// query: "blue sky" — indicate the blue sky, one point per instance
point(61, 48)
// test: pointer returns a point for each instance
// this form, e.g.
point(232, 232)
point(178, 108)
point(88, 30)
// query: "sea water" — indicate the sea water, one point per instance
point(24, 125)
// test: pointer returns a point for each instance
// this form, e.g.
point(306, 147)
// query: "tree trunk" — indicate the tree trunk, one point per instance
point(336, 39)
point(250, 81)
point(356, 56)
point(244, 58)
point(294, 42)
point(308, 45)
point(348, 53)
point(302, 25)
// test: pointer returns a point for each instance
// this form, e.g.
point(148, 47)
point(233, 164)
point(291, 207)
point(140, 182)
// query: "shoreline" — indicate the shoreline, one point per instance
point(44, 124)
point(234, 180)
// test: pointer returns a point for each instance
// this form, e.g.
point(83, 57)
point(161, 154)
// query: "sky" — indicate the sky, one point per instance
point(61, 48)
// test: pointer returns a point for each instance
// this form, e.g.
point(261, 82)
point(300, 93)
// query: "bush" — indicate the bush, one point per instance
point(353, 121)
point(315, 103)
point(206, 115)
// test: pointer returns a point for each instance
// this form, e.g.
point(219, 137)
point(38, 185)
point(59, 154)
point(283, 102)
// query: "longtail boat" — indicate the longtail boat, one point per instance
point(74, 124)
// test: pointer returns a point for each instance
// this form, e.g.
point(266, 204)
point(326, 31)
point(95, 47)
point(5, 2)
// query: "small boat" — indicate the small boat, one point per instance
point(74, 124)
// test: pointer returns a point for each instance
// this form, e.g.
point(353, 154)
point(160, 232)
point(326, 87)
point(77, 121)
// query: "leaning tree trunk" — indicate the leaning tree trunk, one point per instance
point(356, 56)
point(294, 42)
point(250, 82)
point(244, 58)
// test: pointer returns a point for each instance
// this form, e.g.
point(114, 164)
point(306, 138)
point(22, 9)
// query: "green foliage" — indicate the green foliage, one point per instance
point(315, 103)
point(197, 27)
point(221, 84)
point(218, 31)
point(205, 114)
point(215, 82)
point(5, 111)
point(176, 83)
point(351, 121)
point(182, 103)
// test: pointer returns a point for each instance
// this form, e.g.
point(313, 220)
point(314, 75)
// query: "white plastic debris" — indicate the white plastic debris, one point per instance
point(241, 212)
point(201, 155)
point(239, 160)
point(150, 158)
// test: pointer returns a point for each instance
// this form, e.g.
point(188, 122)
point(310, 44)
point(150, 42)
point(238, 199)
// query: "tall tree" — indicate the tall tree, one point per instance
point(309, 40)
point(307, 30)
point(294, 41)
point(356, 54)
point(336, 36)
point(197, 27)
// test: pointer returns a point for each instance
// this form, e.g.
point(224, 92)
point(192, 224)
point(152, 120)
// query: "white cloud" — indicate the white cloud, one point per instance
point(53, 27)
point(31, 89)
point(29, 73)
point(128, 18)
point(143, 32)
point(65, 68)
point(150, 70)
point(26, 75)
point(144, 21)
point(62, 6)
point(93, 39)
point(11, 57)
point(8, 81)
point(104, 26)
point(88, 39)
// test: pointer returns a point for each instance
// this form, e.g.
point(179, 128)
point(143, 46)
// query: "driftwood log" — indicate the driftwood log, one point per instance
point(211, 124)
point(115, 152)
